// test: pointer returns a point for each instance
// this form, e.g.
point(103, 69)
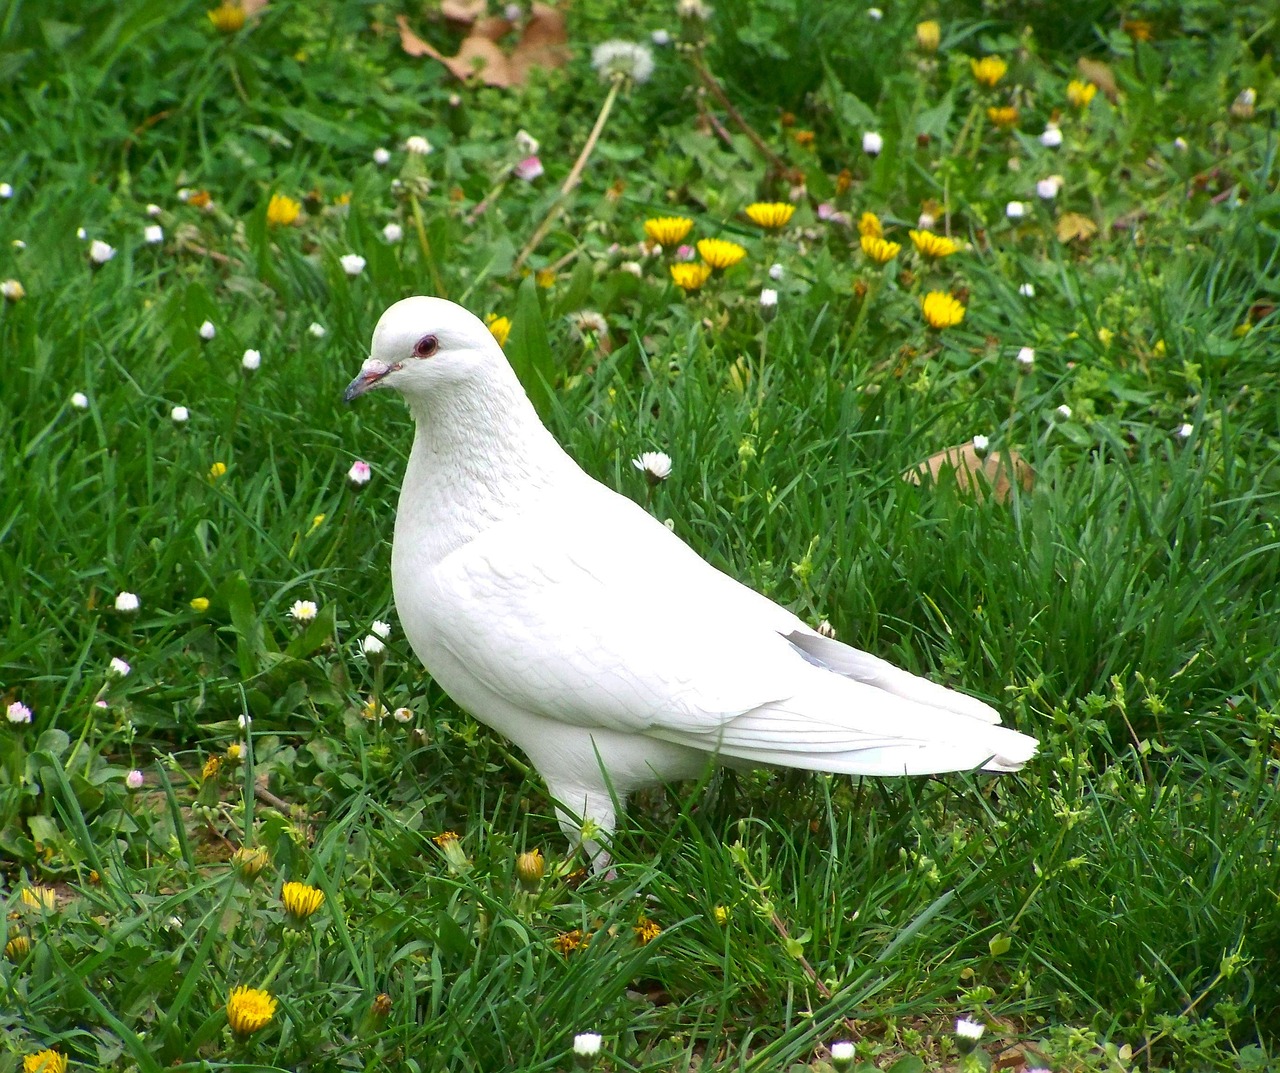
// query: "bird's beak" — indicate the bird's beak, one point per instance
point(371, 372)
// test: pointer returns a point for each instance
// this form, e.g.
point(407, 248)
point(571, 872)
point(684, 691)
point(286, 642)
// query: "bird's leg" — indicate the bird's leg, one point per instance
point(591, 828)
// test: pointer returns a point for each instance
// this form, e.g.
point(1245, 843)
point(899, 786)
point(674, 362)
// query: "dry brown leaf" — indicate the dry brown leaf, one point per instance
point(974, 472)
point(1074, 225)
point(1100, 75)
point(542, 44)
point(464, 11)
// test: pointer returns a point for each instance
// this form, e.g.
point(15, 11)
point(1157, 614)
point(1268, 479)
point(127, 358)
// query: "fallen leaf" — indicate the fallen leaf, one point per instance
point(974, 472)
point(465, 11)
point(542, 43)
point(1100, 75)
point(1074, 225)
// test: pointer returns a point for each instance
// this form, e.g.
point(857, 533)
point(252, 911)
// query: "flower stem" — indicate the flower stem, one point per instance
point(574, 176)
point(425, 243)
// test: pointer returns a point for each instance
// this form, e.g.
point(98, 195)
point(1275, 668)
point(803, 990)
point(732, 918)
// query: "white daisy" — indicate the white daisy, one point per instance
point(352, 263)
point(655, 465)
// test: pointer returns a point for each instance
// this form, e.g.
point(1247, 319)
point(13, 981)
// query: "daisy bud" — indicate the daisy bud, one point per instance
point(381, 629)
point(872, 143)
point(373, 649)
point(661, 38)
point(6, 191)
point(179, 415)
point(875, 15)
point(317, 330)
point(12, 290)
point(80, 401)
point(1026, 357)
point(251, 360)
point(100, 253)
point(1064, 412)
point(1047, 189)
point(776, 272)
point(417, 145)
point(207, 330)
point(768, 303)
point(526, 143)
point(154, 210)
point(18, 713)
point(528, 169)
point(1052, 136)
point(1015, 210)
point(134, 780)
point(381, 156)
point(403, 715)
point(127, 603)
point(359, 474)
point(587, 1044)
point(153, 234)
point(118, 667)
point(352, 263)
point(968, 1033)
point(842, 1055)
point(1027, 290)
point(1185, 430)
point(980, 444)
point(392, 233)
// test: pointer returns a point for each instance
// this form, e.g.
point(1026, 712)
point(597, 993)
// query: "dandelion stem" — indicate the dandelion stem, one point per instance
point(717, 91)
point(574, 176)
point(425, 243)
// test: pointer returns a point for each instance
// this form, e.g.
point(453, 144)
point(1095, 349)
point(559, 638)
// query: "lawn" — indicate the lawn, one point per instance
point(986, 384)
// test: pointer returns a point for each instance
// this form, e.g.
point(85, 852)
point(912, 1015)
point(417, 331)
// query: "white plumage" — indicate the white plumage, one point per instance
point(567, 618)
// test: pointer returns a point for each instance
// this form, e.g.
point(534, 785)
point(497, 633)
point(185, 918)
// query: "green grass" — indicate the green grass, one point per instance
point(1112, 906)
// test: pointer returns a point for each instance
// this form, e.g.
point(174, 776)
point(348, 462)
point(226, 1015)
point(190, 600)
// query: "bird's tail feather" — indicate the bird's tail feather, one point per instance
point(836, 724)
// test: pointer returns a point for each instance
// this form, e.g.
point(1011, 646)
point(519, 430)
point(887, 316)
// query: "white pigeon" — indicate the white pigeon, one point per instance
point(571, 621)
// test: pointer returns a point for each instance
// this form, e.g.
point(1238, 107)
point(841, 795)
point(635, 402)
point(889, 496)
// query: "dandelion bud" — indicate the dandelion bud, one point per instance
point(250, 862)
point(530, 868)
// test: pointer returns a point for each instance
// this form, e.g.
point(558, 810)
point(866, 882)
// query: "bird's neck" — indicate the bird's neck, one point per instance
point(478, 459)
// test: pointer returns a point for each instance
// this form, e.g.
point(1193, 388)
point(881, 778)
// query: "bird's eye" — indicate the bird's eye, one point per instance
point(426, 346)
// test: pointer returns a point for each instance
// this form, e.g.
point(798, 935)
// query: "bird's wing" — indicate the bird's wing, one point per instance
point(600, 617)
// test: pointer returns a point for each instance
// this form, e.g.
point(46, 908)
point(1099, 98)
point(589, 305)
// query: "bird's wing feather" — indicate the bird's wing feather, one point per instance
point(583, 622)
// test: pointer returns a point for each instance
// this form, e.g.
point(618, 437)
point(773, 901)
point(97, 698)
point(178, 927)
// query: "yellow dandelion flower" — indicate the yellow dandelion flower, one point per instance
point(941, 310)
point(1138, 29)
point(44, 1062)
point(720, 253)
point(1003, 117)
point(381, 1008)
point(200, 605)
point(668, 230)
point(721, 914)
point(931, 246)
point(282, 210)
point(869, 224)
point(444, 838)
point(227, 17)
point(17, 948)
point(545, 278)
point(200, 199)
point(218, 469)
point(211, 768)
point(690, 276)
point(771, 215)
point(250, 861)
point(249, 1009)
point(301, 900)
point(804, 138)
point(1105, 335)
point(647, 931)
point(234, 752)
point(43, 899)
point(1080, 93)
point(880, 250)
point(568, 941)
point(500, 327)
point(928, 35)
point(988, 70)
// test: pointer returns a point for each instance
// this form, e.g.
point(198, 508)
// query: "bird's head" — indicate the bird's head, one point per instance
point(423, 344)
